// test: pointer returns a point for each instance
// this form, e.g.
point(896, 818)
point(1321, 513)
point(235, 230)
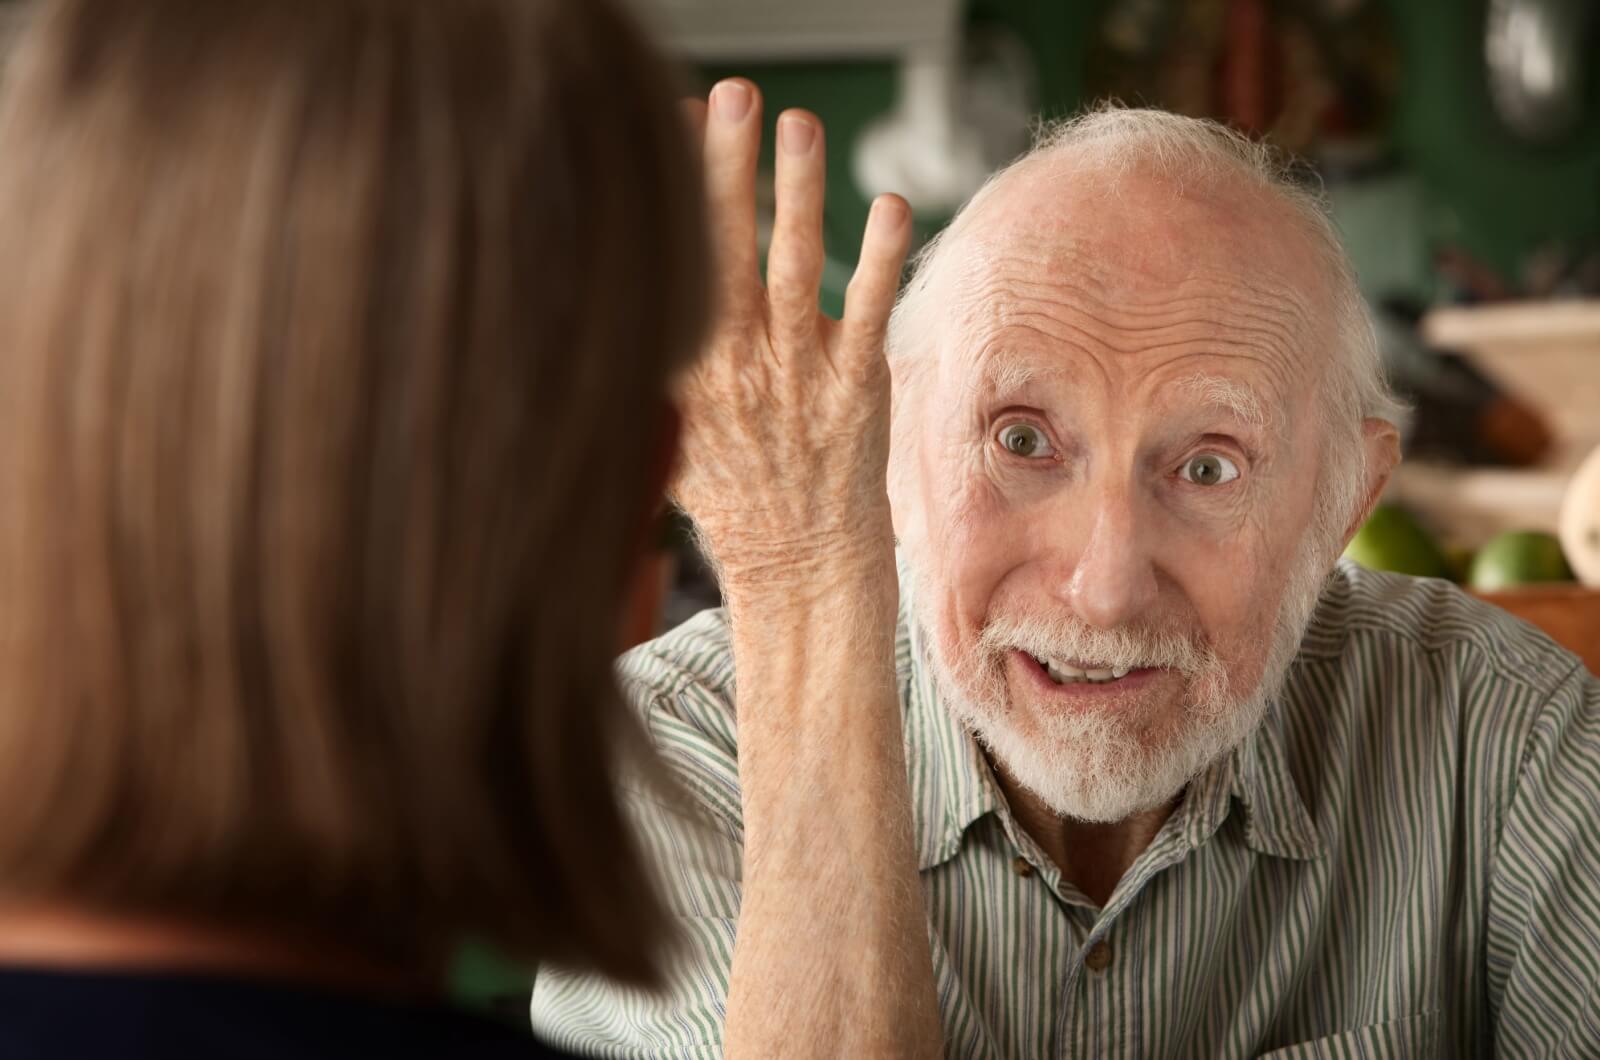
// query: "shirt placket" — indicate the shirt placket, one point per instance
point(1093, 995)
point(1103, 998)
point(1030, 863)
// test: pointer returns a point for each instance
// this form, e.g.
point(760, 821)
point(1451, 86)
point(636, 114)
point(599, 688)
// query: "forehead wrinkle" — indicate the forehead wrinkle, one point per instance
point(1263, 324)
point(1047, 238)
point(1002, 370)
point(1010, 288)
point(1279, 317)
point(1267, 346)
point(1056, 291)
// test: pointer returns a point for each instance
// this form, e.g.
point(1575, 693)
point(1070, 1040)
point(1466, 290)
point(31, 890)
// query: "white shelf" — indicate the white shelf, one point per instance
point(1547, 353)
point(1513, 324)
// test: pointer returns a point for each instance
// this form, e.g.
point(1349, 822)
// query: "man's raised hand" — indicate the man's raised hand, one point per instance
point(786, 416)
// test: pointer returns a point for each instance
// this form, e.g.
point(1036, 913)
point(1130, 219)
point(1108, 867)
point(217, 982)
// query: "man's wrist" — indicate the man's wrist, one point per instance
point(826, 572)
point(835, 606)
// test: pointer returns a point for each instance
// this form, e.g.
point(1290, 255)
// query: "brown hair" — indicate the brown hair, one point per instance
point(334, 340)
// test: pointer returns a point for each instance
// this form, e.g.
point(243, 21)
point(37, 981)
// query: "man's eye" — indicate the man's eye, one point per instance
point(1024, 439)
point(1209, 469)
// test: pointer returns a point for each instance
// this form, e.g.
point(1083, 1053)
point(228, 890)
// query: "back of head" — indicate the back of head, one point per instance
point(335, 336)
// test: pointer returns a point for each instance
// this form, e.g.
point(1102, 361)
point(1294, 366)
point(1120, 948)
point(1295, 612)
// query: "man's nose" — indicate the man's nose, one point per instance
point(1114, 578)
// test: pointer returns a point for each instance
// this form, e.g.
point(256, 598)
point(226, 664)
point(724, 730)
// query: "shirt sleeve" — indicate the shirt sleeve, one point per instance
point(694, 839)
point(1544, 899)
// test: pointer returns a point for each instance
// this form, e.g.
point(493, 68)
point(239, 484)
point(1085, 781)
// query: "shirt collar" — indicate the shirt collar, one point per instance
point(952, 786)
point(1276, 819)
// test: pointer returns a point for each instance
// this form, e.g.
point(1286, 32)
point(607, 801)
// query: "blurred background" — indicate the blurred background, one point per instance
point(1458, 142)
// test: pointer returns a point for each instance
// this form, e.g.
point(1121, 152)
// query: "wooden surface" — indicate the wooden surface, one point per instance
point(1570, 614)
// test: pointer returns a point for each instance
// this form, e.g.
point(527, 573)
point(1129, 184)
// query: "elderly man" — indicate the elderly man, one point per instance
point(1174, 782)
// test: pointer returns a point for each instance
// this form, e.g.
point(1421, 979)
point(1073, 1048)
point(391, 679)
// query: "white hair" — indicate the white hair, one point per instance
point(1096, 765)
point(1186, 149)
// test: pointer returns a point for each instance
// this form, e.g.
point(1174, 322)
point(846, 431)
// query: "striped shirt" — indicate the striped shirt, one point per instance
point(1402, 861)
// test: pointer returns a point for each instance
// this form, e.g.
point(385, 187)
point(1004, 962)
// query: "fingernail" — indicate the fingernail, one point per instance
point(886, 209)
point(795, 134)
point(731, 99)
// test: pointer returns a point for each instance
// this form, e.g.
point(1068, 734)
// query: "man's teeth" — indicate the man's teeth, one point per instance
point(1063, 674)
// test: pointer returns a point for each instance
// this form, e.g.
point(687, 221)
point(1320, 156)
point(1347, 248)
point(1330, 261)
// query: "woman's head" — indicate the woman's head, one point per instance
point(335, 336)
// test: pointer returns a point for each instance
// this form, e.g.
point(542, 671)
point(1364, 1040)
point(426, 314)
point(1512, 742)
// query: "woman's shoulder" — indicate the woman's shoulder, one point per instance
point(49, 1014)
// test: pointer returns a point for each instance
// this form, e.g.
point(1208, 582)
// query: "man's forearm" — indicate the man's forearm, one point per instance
point(832, 956)
point(785, 456)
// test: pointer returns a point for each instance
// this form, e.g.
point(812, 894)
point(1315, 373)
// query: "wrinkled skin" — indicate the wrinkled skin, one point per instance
point(786, 429)
point(1132, 329)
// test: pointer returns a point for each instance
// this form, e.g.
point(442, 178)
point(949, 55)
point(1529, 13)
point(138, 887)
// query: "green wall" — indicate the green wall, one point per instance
point(1495, 196)
point(1471, 181)
point(847, 96)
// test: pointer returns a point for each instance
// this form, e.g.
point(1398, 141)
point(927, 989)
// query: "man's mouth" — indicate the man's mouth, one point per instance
point(1062, 672)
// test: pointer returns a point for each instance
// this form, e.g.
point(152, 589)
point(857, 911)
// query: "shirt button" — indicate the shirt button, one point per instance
point(1098, 959)
point(1022, 865)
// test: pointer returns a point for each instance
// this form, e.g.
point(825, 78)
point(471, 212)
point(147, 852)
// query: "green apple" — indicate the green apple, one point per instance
point(1391, 540)
point(1521, 557)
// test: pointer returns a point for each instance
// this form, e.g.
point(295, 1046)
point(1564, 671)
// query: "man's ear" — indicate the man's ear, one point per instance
point(1381, 440)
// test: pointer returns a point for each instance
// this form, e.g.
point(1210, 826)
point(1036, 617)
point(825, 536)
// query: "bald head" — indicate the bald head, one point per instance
point(1128, 238)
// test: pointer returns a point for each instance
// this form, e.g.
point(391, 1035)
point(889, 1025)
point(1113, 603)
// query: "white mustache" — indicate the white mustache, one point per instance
point(1068, 639)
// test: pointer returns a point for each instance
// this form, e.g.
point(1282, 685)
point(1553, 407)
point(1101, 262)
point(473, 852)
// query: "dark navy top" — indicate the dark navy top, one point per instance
point(139, 1015)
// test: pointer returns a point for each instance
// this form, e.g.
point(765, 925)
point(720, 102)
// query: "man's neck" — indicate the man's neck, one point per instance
point(1093, 857)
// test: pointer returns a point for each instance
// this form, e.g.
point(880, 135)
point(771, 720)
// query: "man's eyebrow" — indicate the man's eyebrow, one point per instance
point(1007, 375)
point(1223, 393)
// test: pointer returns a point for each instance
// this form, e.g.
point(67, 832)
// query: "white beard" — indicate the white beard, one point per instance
point(1102, 765)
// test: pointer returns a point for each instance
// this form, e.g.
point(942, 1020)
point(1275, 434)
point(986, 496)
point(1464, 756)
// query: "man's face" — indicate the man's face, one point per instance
point(1113, 470)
